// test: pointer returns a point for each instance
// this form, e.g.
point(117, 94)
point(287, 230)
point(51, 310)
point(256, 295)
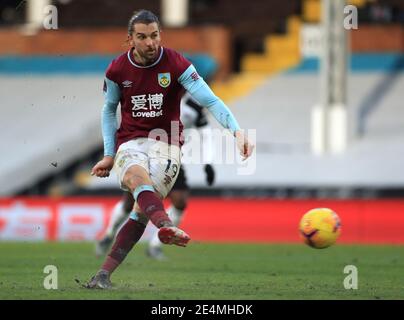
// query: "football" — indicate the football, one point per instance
point(320, 228)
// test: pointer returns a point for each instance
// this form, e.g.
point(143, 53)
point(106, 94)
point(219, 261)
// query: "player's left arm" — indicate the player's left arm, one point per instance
point(202, 93)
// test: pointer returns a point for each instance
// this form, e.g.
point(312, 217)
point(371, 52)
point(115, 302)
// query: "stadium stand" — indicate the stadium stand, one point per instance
point(46, 123)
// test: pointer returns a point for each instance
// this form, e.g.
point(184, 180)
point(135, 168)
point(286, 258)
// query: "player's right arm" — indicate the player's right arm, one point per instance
point(109, 127)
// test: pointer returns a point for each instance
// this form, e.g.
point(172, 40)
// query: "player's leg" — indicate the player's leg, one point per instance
point(127, 237)
point(148, 206)
point(178, 198)
point(131, 166)
point(175, 212)
point(132, 230)
point(164, 170)
point(132, 169)
point(120, 213)
point(137, 174)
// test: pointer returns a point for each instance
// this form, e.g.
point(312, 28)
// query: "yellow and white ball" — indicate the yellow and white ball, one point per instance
point(320, 228)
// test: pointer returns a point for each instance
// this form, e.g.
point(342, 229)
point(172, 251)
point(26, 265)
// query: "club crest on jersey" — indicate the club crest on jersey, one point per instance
point(164, 79)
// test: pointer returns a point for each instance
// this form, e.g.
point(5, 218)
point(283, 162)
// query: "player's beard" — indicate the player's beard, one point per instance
point(151, 55)
point(147, 56)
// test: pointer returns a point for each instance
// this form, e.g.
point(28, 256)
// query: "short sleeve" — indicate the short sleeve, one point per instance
point(111, 72)
point(182, 64)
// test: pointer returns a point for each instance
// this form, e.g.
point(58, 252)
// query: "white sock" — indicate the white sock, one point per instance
point(117, 218)
point(175, 216)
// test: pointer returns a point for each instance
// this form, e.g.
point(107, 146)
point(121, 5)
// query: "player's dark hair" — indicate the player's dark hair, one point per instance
point(142, 16)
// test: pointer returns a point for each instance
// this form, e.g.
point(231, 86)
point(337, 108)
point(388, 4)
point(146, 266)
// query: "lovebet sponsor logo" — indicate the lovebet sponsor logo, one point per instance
point(150, 114)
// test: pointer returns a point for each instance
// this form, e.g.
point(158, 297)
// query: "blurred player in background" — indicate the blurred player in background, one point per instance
point(192, 116)
point(148, 82)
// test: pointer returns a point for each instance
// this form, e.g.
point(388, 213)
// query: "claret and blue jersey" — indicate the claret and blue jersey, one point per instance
point(150, 98)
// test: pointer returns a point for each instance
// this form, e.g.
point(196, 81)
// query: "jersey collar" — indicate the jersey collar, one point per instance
point(143, 67)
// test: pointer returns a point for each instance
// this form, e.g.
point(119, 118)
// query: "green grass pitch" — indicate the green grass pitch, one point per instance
point(206, 271)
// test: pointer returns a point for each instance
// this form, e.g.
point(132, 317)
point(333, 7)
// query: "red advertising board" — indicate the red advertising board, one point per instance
point(206, 219)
